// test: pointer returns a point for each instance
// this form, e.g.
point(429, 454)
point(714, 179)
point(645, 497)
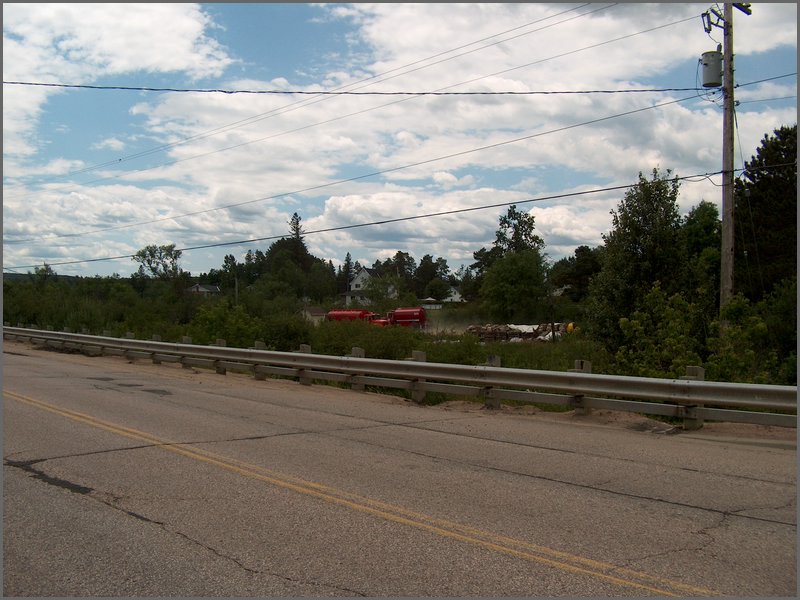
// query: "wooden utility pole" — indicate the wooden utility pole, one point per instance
point(726, 265)
point(726, 262)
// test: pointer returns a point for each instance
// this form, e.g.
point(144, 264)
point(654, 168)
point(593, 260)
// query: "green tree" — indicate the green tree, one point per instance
point(221, 320)
point(158, 262)
point(437, 288)
point(383, 292)
point(701, 236)
point(741, 351)
point(765, 223)
point(468, 284)
point(345, 274)
point(44, 273)
point(659, 339)
point(402, 266)
point(427, 271)
point(297, 243)
point(517, 232)
point(574, 273)
point(643, 247)
point(513, 288)
point(320, 281)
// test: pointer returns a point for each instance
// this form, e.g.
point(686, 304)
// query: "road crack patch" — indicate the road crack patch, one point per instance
point(27, 467)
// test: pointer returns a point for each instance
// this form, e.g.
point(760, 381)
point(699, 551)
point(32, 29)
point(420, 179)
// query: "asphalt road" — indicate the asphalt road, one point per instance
point(133, 479)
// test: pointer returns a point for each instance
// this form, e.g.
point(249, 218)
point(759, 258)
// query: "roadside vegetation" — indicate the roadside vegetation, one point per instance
point(645, 302)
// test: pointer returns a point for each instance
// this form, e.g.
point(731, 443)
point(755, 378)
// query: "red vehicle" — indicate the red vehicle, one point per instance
point(350, 315)
point(405, 317)
point(408, 317)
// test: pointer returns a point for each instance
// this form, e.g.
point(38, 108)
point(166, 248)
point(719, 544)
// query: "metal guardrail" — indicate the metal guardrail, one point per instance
point(692, 400)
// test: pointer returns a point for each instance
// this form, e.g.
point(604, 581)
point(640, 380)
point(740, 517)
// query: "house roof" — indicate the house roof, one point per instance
point(201, 287)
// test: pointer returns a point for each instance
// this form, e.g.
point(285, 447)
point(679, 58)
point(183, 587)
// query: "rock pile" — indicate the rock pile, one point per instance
point(519, 333)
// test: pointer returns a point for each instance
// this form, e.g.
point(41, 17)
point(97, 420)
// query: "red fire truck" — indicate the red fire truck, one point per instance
point(351, 315)
point(405, 316)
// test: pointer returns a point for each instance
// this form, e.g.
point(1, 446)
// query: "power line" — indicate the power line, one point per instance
point(353, 178)
point(688, 178)
point(371, 223)
point(348, 93)
point(358, 177)
point(286, 132)
point(272, 113)
point(740, 102)
point(282, 111)
point(305, 103)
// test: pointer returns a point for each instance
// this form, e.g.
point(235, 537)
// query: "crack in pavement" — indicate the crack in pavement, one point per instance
point(581, 485)
point(704, 531)
point(27, 466)
point(112, 501)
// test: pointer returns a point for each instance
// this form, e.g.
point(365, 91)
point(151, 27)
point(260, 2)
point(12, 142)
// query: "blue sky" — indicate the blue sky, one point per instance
point(92, 175)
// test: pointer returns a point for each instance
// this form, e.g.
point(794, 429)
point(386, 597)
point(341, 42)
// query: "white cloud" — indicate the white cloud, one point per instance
point(266, 156)
point(109, 144)
point(77, 43)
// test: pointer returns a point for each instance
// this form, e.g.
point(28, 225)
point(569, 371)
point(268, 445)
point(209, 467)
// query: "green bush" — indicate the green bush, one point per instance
point(740, 349)
point(660, 338)
point(220, 320)
point(337, 338)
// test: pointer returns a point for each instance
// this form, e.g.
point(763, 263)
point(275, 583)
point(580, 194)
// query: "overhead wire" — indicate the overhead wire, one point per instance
point(341, 117)
point(371, 223)
point(689, 178)
point(349, 93)
point(398, 168)
point(358, 177)
point(366, 81)
point(766, 99)
point(386, 221)
point(338, 182)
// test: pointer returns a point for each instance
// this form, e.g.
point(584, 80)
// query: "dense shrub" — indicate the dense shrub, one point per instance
point(338, 338)
point(660, 338)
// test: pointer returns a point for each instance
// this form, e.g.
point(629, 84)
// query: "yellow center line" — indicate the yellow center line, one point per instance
point(397, 514)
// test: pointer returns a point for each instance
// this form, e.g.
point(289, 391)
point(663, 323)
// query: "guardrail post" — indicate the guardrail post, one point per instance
point(490, 402)
point(581, 366)
point(260, 376)
point(302, 376)
point(219, 369)
point(417, 394)
point(357, 352)
point(130, 335)
point(493, 360)
point(185, 340)
point(156, 338)
point(691, 417)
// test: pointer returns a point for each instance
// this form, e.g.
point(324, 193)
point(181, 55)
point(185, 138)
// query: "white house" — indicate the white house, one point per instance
point(455, 296)
point(355, 291)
